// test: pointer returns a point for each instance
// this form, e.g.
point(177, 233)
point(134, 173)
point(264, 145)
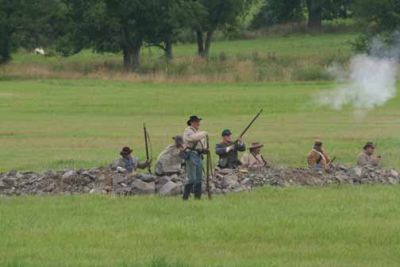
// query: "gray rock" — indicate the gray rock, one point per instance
point(140, 187)
point(68, 175)
point(394, 173)
point(10, 182)
point(2, 185)
point(170, 189)
point(147, 178)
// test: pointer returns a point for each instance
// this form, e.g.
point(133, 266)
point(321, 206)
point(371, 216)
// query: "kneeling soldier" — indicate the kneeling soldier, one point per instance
point(227, 151)
point(367, 157)
point(169, 161)
point(129, 163)
point(318, 158)
point(253, 159)
point(195, 143)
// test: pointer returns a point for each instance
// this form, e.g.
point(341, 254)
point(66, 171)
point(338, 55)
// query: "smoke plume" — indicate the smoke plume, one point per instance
point(370, 81)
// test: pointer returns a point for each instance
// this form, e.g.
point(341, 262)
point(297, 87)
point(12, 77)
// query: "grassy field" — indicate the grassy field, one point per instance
point(83, 123)
point(334, 226)
point(275, 58)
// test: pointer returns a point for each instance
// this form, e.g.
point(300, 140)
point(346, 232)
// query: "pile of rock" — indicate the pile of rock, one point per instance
point(109, 181)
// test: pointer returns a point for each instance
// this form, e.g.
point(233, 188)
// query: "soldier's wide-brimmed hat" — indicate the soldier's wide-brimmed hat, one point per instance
point(193, 118)
point(318, 142)
point(369, 144)
point(178, 139)
point(255, 145)
point(226, 132)
point(125, 151)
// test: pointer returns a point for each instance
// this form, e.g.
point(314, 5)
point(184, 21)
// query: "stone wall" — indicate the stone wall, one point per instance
point(109, 181)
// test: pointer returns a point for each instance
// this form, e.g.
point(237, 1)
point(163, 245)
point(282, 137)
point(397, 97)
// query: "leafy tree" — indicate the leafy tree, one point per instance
point(27, 24)
point(217, 14)
point(126, 26)
point(172, 17)
point(277, 11)
point(378, 15)
point(325, 9)
point(381, 18)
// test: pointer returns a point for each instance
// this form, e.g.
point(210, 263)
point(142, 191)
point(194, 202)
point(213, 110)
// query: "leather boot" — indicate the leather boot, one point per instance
point(197, 191)
point(186, 191)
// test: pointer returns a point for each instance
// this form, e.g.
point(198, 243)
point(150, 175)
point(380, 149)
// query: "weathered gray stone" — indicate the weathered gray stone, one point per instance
point(10, 182)
point(170, 189)
point(147, 178)
point(68, 175)
point(140, 187)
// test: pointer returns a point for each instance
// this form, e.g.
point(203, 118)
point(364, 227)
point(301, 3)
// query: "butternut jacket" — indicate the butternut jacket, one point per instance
point(367, 160)
point(252, 161)
point(318, 160)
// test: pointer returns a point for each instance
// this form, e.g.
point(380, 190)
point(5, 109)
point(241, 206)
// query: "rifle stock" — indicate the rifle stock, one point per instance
point(146, 139)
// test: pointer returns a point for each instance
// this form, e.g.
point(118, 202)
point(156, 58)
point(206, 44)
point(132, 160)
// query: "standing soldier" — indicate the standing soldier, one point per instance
point(227, 151)
point(195, 143)
point(367, 157)
point(254, 159)
point(318, 158)
point(169, 161)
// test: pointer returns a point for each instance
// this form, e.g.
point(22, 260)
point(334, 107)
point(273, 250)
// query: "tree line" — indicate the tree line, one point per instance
point(126, 26)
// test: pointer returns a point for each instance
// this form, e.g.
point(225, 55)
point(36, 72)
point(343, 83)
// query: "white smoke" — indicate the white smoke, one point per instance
point(370, 81)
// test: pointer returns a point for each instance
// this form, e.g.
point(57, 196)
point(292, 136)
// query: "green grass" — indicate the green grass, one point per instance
point(334, 226)
point(292, 45)
point(83, 123)
point(276, 58)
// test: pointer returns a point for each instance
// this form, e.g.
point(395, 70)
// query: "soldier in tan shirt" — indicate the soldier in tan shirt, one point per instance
point(195, 143)
point(253, 159)
point(367, 157)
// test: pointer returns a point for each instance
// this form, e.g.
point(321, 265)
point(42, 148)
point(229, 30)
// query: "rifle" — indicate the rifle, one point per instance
point(146, 141)
point(249, 125)
point(208, 168)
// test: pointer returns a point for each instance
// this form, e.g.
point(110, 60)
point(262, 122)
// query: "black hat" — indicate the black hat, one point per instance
point(226, 132)
point(369, 144)
point(192, 119)
point(125, 151)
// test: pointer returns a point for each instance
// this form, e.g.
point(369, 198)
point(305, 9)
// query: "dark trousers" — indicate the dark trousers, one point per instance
point(194, 176)
point(192, 188)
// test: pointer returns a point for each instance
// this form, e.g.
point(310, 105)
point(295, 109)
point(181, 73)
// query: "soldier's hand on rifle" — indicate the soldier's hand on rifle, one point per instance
point(239, 140)
point(229, 148)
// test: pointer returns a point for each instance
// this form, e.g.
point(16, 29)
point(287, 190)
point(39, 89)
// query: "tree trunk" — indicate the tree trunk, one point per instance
point(314, 9)
point(5, 46)
point(136, 56)
point(200, 43)
point(168, 50)
point(131, 56)
point(208, 43)
point(127, 58)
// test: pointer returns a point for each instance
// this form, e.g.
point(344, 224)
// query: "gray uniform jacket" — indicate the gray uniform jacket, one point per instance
point(229, 159)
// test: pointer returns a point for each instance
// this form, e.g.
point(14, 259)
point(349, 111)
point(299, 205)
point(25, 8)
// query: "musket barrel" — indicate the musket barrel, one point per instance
point(251, 123)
